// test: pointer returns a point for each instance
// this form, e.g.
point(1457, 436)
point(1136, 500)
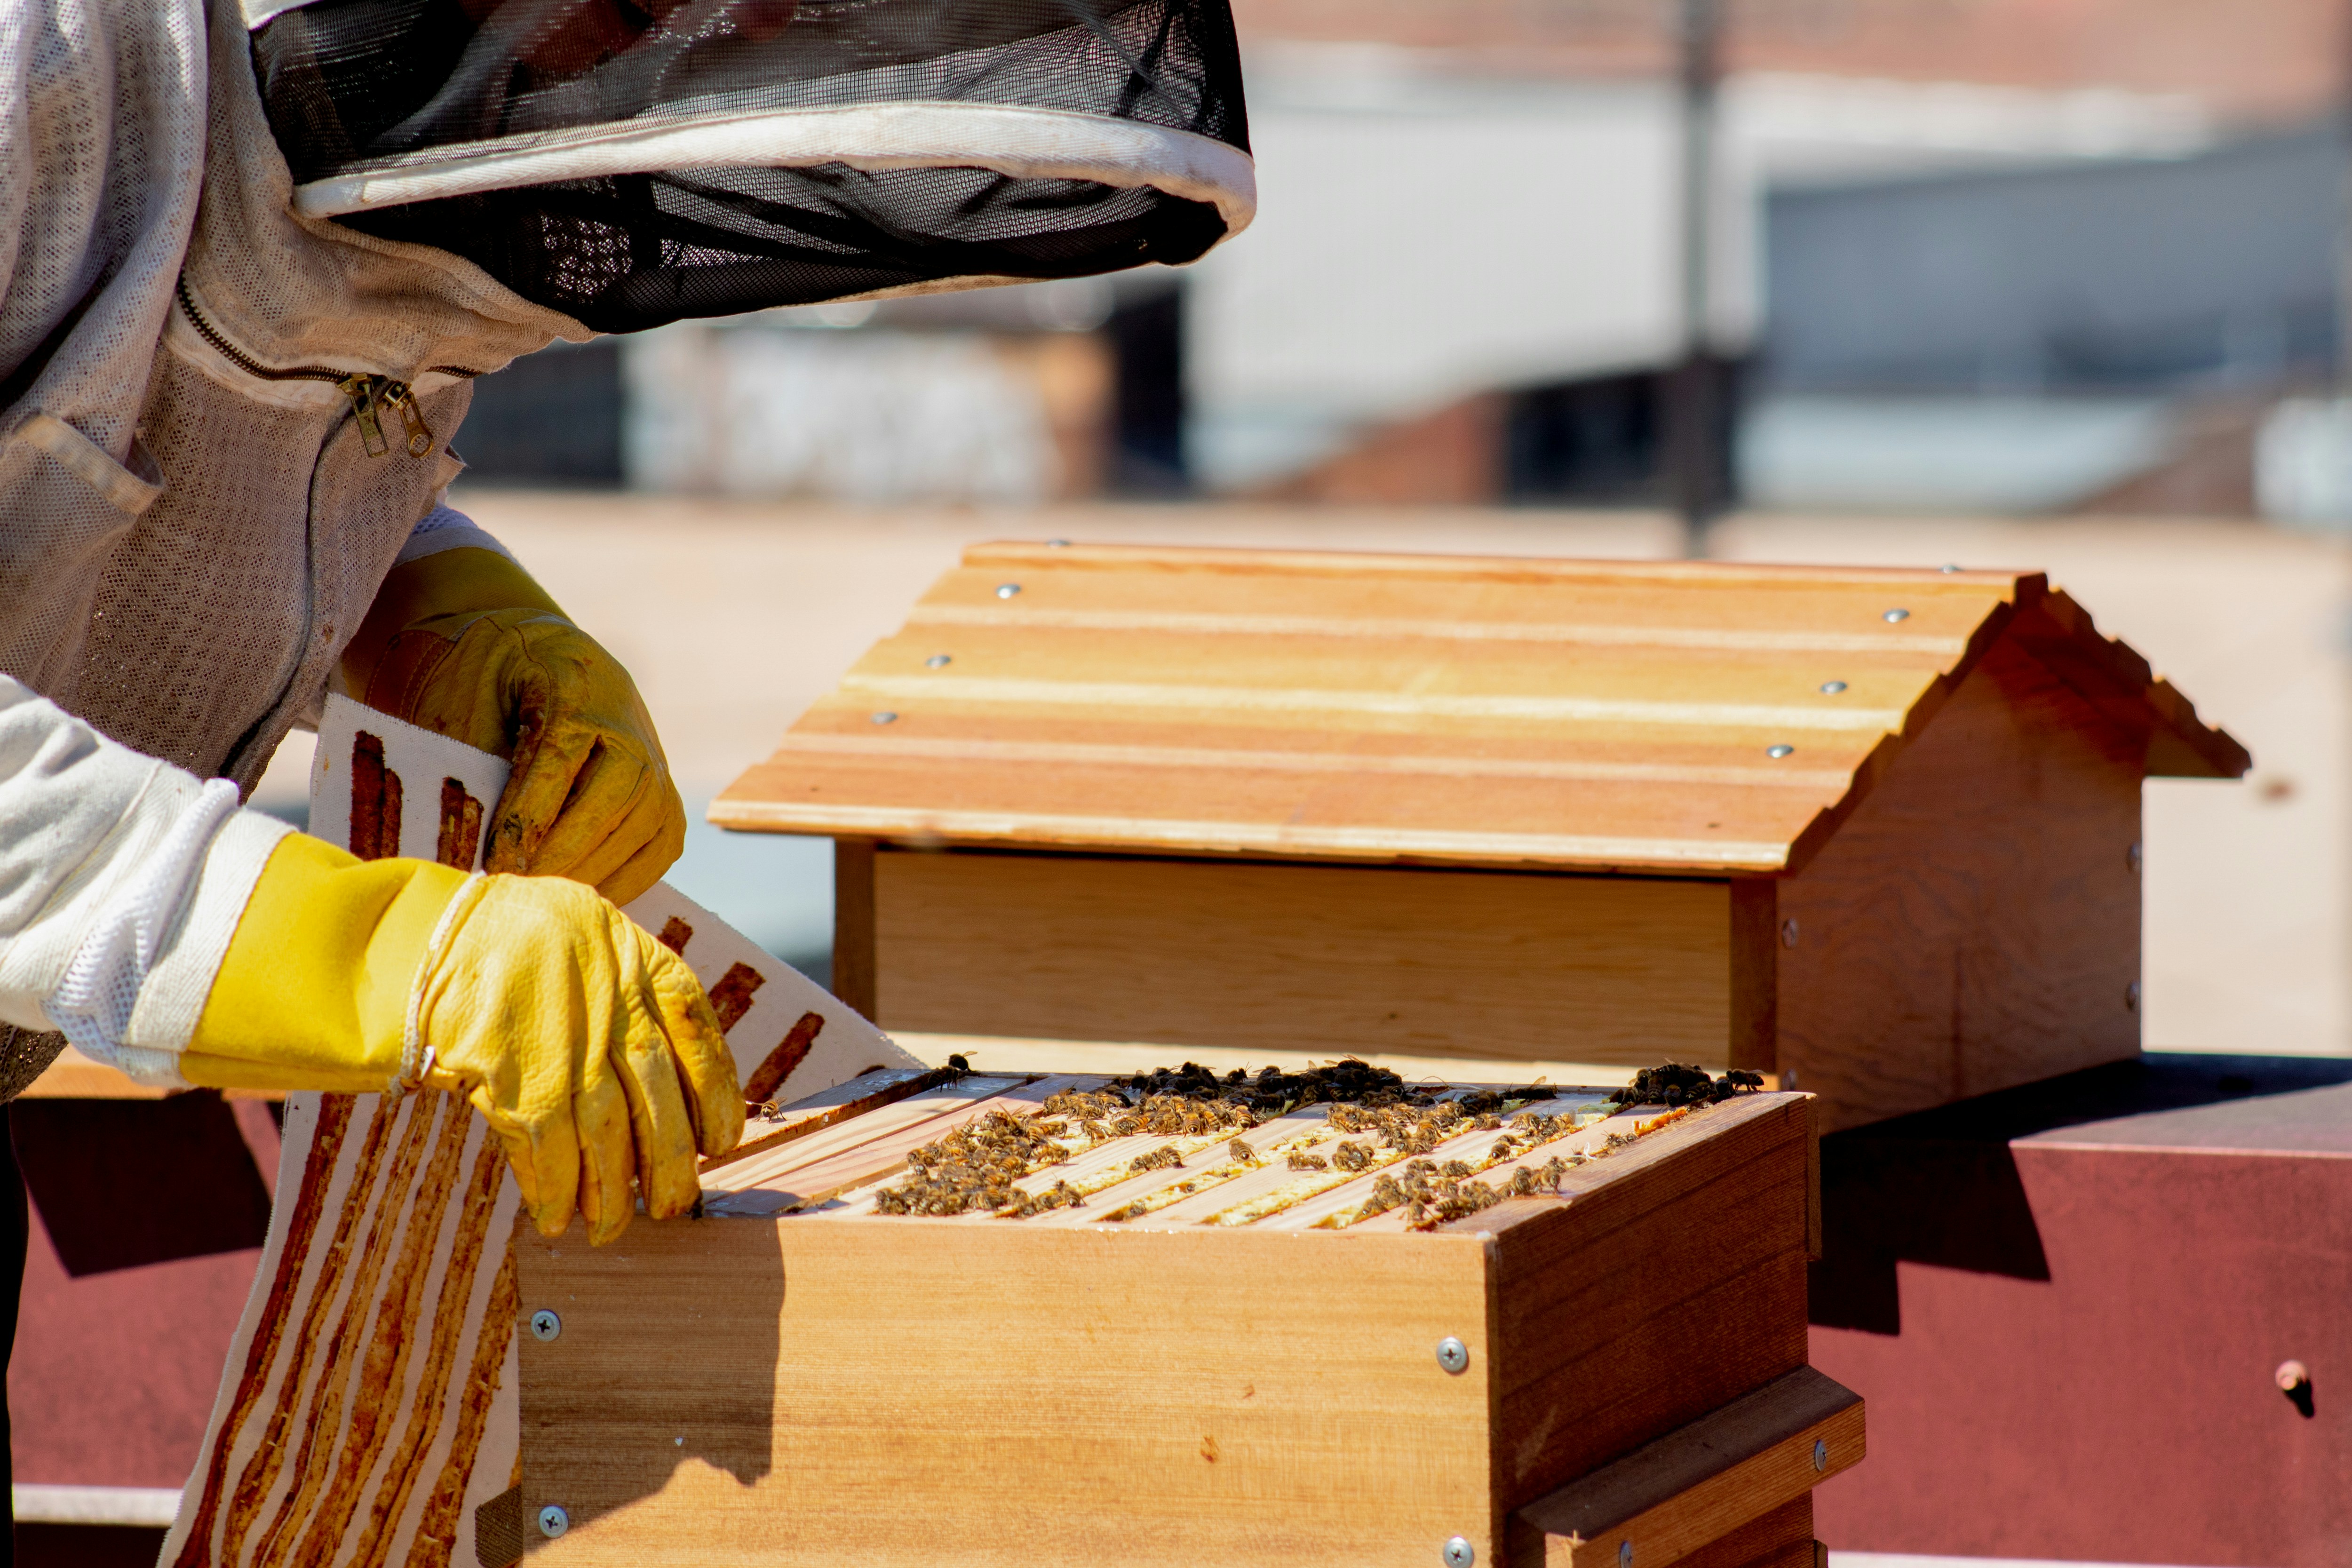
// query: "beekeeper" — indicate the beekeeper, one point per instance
point(255, 256)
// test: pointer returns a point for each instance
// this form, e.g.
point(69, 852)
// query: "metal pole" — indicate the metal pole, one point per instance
point(1695, 404)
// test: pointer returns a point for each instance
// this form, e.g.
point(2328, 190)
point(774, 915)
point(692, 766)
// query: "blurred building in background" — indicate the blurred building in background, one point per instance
point(2007, 255)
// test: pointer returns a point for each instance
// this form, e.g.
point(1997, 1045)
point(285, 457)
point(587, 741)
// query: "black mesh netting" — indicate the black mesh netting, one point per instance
point(361, 86)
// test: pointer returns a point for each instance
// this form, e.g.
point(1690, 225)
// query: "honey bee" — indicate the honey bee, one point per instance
point(1242, 1153)
point(1302, 1161)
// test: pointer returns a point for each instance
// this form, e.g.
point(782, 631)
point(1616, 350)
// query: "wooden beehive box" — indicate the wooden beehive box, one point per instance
point(1874, 832)
point(1189, 1369)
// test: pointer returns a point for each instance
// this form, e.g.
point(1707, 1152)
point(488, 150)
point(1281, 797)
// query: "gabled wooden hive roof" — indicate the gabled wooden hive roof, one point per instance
point(1564, 715)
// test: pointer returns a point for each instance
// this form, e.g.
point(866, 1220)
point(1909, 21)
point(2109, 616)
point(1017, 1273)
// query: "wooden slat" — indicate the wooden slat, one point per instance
point(828, 1107)
point(74, 1076)
point(1722, 1472)
point(1474, 711)
point(803, 1182)
point(823, 1144)
point(1303, 958)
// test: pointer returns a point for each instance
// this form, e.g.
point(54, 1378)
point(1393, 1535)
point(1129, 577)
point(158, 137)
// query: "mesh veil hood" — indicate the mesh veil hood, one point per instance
point(629, 163)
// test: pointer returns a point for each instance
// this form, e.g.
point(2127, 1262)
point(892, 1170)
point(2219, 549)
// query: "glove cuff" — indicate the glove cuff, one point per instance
point(415, 1051)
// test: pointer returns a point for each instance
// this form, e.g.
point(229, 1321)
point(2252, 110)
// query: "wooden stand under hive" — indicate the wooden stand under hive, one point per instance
point(1875, 833)
point(1440, 1326)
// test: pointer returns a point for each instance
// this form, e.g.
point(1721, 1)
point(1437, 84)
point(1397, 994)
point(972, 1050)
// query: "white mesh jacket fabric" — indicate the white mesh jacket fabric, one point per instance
point(185, 546)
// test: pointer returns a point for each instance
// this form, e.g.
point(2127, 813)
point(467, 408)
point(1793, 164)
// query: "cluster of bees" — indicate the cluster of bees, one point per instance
point(1271, 1092)
point(1679, 1084)
point(976, 1167)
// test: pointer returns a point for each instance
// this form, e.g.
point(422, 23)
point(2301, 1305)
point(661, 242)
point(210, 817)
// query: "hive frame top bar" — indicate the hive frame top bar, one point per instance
point(1277, 1174)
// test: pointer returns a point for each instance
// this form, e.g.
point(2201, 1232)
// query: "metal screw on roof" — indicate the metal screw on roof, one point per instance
point(938, 661)
point(1006, 590)
point(1777, 753)
point(1453, 1354)
point(885, 718)
point(553, 1522)
point(1460, 1554)
point(545, 1325)
point(1948, 566)
point(2292, 1375)
point(1890, 617)
point(1057, 544)
point(1831, 688)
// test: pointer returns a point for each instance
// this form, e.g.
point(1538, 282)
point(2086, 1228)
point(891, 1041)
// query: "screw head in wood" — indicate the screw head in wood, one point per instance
point(1891, 616)
point(553, 1522)
point(1777, 753)
point(1789, 933)
point(1006, 590)
point(1624, 1554)
point(1820, 1455)
point(1949, 567)
point(1453, 1354)
point(886, 716)
point(2292, 1375)
point(938, 661)
point(1831, 688)
point(2131, 998)
point(1460, 1554)
point(545, 1325)
point(2132, 859)
point(1057, 544)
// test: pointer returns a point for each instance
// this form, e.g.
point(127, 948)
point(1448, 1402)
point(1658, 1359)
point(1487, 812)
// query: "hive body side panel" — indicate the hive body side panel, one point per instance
point(912, 1392)
point(1312, 958)
point(1975, 923)
point(1667, 1291)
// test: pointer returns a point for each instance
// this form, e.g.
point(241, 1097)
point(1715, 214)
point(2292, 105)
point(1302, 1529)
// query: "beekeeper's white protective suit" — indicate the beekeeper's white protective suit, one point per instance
point(228, 370)
point(185, 546)
point(249, 262)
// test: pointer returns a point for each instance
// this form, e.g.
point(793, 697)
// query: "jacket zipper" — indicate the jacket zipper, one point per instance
point(372, 396)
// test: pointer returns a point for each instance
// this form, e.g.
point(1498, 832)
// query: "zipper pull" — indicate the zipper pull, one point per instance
point(402, 400)
point(362, 389)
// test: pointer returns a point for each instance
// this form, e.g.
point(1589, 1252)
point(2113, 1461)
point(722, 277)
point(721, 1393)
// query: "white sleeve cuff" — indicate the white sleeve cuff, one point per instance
point(181, 980)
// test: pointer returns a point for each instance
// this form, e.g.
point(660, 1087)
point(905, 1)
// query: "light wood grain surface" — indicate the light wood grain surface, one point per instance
point(1975, 923)
point(928, 1392)
point(1320, 959)
point(1450, 709)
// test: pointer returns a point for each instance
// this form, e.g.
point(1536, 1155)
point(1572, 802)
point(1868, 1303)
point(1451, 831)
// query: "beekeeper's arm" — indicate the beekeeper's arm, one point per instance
point(173, 935)
point(462, 641)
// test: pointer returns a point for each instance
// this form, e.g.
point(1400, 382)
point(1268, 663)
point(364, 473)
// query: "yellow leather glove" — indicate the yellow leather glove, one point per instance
point(585, 1044)
point(466, 644)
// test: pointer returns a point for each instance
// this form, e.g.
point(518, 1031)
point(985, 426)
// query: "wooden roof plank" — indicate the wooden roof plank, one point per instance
point(1443, 710)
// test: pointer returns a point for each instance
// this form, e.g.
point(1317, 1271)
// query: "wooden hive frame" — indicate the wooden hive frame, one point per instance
point(1875, 833)
point(798, 1379)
